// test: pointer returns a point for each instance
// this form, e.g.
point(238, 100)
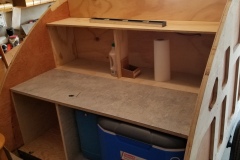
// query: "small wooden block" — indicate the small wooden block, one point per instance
point(128, 70)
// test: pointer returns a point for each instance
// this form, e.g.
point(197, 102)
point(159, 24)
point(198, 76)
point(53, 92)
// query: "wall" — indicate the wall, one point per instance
point(27, 14)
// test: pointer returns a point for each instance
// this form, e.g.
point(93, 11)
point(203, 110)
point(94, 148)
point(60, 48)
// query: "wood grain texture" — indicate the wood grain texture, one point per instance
point(35, 117)
point(48, 146)
point(11, 54)
point(179, 81)
point(226, 37)
point(172, 26)
point(152, 107)
point(33, 57)
point(63, 44)
point(3, 71)
point(70, 43)
point(93, 43)
point(203, 10)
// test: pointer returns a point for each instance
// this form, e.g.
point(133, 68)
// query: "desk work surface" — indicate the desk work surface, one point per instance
point(164, 110)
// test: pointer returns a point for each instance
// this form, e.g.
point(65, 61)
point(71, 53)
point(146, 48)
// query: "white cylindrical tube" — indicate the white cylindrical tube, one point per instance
point(162, 70)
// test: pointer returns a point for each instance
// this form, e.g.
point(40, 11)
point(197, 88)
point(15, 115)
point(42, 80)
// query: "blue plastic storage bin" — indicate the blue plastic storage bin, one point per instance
point(121, 141)
point(88, 133)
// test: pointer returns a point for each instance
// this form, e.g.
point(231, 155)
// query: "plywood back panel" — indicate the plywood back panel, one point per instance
point(197, 10)
point(190, 59)
point(93, 43)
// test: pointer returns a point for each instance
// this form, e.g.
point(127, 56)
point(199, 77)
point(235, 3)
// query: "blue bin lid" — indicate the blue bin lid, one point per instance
point(142, 134)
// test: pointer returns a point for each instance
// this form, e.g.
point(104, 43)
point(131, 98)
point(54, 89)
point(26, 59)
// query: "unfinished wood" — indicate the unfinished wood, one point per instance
point(225, 37)
point(31, 59)
point(35, 116)
point(191, 59)
point(10, 55)
point(172, 26)
point(152, 107)
point(70, 136)
point(63, 44)
point(93, 43)
point(121, 48)
point(204, 148)
point(204, 10)
point(48, 146)
point(180, 81)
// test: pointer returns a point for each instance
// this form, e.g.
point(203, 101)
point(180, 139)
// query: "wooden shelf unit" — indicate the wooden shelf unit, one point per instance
point(79, 51)
point(179, 81)
point(63, 89)
point(81, 54)
point(193, 104)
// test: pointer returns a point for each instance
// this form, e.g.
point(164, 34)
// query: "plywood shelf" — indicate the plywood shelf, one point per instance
point(179, 81)
point(172, 26)
point(151, 107)
point(48, 146)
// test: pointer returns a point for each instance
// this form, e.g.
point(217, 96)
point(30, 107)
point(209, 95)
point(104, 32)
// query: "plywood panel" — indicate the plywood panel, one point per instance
point(172, 26)
point(203, 10)
point(69, 132)
point(48, 146)
point(35, 116)
point(226, 87)
point(152, 107)
point(63, 44)
point(94, 44)
point(33, 57)
point(189, 59)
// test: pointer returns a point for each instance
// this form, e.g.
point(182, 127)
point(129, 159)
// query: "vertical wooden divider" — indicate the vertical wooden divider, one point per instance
point(121, 48)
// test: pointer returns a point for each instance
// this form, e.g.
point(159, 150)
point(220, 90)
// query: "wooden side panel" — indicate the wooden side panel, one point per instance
point(33, 58)
point(217, 99)
point(203, 10)
point(35, 116)
point(69, 132)
point(63, 43)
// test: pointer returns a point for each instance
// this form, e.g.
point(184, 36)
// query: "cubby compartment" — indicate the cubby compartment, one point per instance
point(187, 64)
point(39, 127)
point(84, 48)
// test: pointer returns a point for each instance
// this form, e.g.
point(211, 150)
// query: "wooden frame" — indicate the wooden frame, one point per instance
point(214, 73)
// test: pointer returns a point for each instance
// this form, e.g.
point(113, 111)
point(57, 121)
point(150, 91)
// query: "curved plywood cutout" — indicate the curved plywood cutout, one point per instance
point(184, 10)
point(33, 58)
point(203, 116)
